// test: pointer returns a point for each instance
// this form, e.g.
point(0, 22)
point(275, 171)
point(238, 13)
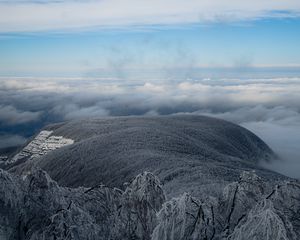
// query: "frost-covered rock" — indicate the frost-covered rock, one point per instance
point(35, 207)
point(185, 218)
point(136, 216)
point(70, 223)
point(286, 200)
point(11, 205)
point(249, 209)
point(238, 198)
point(262, 222)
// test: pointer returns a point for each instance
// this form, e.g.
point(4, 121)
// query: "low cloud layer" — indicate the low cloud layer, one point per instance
point(7, 141)
point(29, 15)
point(285, 140)
point(268, 107)
point(9, 115)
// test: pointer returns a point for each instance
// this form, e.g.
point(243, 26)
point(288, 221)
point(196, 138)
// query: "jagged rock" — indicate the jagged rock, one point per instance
point(238, 198)
point(249, 209)
point(286, 201)
point(185, 218)
point(71, 223)
point(11, 206)
point(262, 222)
point(142, 199)
point(35, 207)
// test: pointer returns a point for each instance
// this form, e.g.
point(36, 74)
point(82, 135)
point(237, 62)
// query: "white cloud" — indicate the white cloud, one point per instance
point(284, 139)
point(72, 111)
point(9, 115)
point(61, 15)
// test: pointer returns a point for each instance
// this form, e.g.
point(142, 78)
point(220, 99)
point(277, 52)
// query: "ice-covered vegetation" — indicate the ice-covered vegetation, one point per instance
point(35, 207)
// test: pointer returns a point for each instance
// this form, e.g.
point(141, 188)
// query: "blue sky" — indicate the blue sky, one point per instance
point(268, 36)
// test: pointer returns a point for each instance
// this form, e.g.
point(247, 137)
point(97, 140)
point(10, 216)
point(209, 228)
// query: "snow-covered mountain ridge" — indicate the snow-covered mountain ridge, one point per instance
point(193, 154)
point(146, 178)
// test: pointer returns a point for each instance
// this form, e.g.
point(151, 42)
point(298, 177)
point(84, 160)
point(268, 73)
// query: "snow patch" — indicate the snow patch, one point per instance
point(43, 143)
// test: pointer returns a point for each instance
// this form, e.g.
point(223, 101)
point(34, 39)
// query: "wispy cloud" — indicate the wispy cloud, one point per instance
point(22, 16)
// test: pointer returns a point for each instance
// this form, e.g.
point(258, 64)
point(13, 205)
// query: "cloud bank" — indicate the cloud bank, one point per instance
point(23, 16)
point(11, 116)
point(7, 141)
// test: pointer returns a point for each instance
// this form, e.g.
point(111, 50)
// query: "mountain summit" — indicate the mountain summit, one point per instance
point(194, 154)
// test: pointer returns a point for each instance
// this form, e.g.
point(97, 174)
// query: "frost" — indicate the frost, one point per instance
point(262, 223)
point(184, 218)
point(239, 197)
point(142, 199)
point(36, 207)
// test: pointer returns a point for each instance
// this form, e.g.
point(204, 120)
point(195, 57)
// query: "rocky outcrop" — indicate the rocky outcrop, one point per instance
point(136, 216)
point(35, 207)
point(262, 222)
point(185, 218)
point(249, 209)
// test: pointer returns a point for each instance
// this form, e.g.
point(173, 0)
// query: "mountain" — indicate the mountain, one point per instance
point(35, 207)
point(146, 178)
point(194, 154)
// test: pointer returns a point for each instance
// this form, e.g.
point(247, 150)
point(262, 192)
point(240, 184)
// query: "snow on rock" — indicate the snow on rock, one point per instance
point(43, 143)
point(36, 207)
point(285, 198)
point(185, 218)
point(262, 223)
point(11, 208)
point(249, 209)
point(142, 199)
point(238, 198)
point(70, 223)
